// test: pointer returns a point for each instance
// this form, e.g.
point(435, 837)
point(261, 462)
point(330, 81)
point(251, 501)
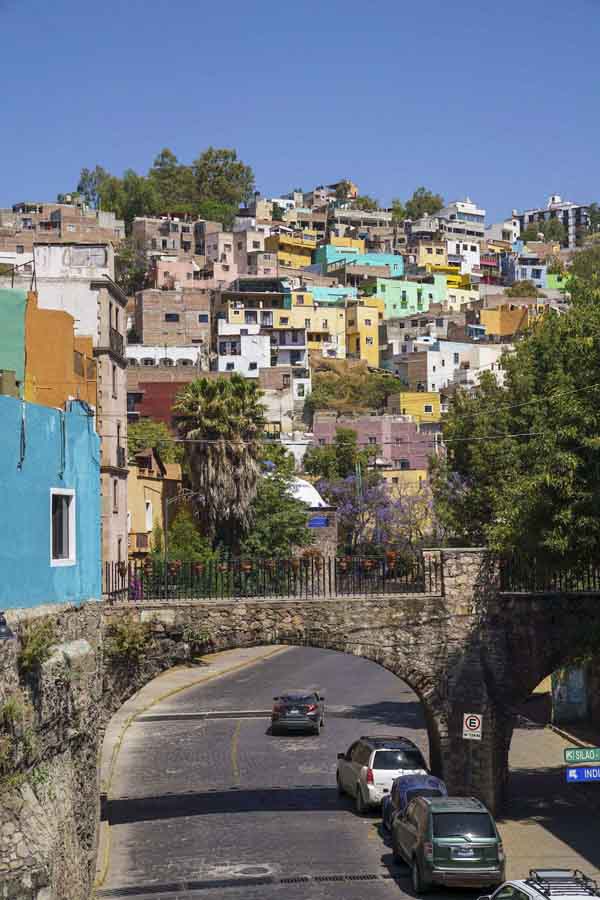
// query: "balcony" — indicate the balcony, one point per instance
point(116, 342)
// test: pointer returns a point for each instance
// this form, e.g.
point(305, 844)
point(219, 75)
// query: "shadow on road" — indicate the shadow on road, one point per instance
point(387, 712)
point(171, 806)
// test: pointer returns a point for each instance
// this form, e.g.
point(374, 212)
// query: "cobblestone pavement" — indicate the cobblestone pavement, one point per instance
point(217, 807)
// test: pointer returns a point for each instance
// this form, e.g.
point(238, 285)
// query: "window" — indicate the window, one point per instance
point(321, 442)
point(147, 361)
point(395, 480)
point(307, 323)
point(383, 288)
point(428, 408)
point(473, 248)
point(229, 367)
point(404, 464)
point(203, 317)
point(285, 320)
point(171, 317)
point(368, 323)
point(286, 380)
point(20, 248)
point(430, 250)
point(300, 300)
point(324, 323)
point(256, 245)
point(372, 440)
point(300, 390)
point(62, 515)
point(252, 366)
point(369, 341)
point(114, 380)
point(115, 495)
point(456, 359)
point(439, 251)
point(148, 515)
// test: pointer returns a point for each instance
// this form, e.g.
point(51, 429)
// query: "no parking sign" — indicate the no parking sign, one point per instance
point(472, 725)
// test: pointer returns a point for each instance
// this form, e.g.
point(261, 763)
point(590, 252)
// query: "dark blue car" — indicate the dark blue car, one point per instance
point(406, 788)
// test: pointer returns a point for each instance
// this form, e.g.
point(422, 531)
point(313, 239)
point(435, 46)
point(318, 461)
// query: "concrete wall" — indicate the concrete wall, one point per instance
point(33, 460)
point(13, 303)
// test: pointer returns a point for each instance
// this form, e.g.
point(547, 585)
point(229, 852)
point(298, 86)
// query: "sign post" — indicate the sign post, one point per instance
point(576, 755)
point(472, 727)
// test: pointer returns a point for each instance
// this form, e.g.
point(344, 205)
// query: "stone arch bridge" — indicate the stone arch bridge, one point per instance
point(467, 647)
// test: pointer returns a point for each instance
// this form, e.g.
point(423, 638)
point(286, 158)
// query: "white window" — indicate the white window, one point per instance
point(148, 511)
point(115, 495)
point(62, 527)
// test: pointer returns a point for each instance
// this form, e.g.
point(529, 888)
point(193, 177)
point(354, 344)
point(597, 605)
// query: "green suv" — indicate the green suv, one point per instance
point(449, 841)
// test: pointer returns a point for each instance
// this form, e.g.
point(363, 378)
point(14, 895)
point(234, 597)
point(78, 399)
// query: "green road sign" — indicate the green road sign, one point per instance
point(582, 754)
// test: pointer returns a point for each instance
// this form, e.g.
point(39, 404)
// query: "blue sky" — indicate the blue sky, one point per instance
point(496, 101)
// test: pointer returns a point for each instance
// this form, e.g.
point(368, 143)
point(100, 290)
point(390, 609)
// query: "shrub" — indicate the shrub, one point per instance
point(37, 638)
point(128, 640)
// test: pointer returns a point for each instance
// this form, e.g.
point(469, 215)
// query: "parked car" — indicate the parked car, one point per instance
point(543, 884)
point(368, 769)
point(451, 841)
point(406, 788)
point(298, 711)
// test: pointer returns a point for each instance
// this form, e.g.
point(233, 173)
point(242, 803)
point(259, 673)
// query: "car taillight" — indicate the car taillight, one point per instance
point(276, 709)
point(500, 851)
point(311, 708)
point(428, 852)
point(370, 779)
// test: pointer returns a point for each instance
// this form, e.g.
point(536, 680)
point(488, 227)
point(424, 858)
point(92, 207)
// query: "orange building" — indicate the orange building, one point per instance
point(58, 364)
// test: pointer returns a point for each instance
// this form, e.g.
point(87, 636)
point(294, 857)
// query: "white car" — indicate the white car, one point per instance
point(368, 769)
point(547, 884)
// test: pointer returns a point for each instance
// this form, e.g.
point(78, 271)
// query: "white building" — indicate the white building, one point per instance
point(141, 355)
point(509, 230)
point(573, 216)
point(243, 349)
point(457, 362)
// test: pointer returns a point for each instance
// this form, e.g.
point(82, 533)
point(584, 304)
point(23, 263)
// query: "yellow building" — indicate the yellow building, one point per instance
point(362, 328)
point(58, 365)
point(325, 324)
point(458, 298)
point(150, 483)
point(505, 321)
point(349, 243)
point(405, 481)
point(293, 250)
point(431, 254)
point(422, 406)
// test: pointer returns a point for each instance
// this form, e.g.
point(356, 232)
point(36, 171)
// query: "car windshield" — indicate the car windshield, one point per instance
point(298, 698)
point(398, 759)
point(421, 792)
point(465, 824)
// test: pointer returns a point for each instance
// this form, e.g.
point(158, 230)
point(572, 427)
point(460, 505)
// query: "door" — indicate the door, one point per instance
point(345, 770)
point(405, 831)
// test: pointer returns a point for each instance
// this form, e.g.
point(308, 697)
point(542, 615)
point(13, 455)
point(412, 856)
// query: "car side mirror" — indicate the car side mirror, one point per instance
point(275, 698)
point(485, 897)
point(341, 756)
point(322, 698)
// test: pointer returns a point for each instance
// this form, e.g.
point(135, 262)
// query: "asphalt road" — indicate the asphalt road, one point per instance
point(219, 808)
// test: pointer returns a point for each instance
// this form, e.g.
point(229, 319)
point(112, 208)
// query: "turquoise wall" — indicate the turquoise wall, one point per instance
point(332, 294)
point(405, 298)
point(13, 303)
point(32, 461)
point(329, 253)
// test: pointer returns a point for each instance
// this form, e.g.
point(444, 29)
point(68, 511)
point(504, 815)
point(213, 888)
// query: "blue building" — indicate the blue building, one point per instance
point(330, 254)
point(49, 505)
point(332, 294)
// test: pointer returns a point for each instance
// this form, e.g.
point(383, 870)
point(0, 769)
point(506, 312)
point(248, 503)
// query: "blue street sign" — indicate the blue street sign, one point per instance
point(583, 773)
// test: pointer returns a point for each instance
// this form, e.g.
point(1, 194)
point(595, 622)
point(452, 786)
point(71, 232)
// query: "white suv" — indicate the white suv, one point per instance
point(368, 769)
point(547, 884)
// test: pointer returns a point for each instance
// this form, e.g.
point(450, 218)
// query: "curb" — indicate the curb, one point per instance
point(569, 737)
point(104, 835)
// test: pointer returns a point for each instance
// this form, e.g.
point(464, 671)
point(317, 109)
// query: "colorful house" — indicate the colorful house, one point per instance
point(329, 255)
point(362, 329)
point(406, 298)
point(50, 512)
point(151, 483)
point(422, 406)
point(294, 250)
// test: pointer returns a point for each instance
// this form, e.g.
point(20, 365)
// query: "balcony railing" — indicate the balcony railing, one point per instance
point(116, 342)
point(121, 458)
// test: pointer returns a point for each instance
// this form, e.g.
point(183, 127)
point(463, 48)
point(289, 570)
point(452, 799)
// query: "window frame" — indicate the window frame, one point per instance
point(71, 560)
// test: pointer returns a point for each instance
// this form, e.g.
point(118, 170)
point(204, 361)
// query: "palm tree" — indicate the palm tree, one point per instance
point(223, 421)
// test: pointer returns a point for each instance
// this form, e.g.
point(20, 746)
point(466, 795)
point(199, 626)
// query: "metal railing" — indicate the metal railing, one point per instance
point(116, 342)
point(531, 576)
point(312, 577)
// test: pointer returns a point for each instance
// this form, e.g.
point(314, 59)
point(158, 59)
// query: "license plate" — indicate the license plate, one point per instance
point(294, 712)
point(463, 853)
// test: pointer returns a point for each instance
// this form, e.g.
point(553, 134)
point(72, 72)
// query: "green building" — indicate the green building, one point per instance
point(407, 298)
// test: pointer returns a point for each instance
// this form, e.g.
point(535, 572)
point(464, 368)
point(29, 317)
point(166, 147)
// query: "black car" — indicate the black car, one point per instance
point(298, 711)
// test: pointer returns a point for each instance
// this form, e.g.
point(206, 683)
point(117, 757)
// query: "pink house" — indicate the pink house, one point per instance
point(400, 443)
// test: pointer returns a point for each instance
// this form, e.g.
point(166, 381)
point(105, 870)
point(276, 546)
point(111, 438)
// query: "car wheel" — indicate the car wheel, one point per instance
point(418, 885)
point(316, 730)
point(396, 855)
point(361, 807)
point(340, 788)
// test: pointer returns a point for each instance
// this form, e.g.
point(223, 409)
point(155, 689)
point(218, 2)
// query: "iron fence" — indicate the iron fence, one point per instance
point(299, 578)
point(531, 576)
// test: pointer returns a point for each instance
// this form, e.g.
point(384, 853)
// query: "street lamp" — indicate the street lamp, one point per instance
point(5, 632)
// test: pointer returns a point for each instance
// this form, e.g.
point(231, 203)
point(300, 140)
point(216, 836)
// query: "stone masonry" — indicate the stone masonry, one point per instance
point(467, 649)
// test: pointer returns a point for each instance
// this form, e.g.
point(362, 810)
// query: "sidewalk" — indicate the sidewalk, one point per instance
point(160, 688)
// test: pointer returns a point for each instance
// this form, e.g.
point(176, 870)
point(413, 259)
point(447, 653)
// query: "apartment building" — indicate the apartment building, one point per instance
point(293, 249)
point(363, 317)
point(164, 234)
point(574, 217)
point(173, 318)
point(430, 364)
point(399, 441)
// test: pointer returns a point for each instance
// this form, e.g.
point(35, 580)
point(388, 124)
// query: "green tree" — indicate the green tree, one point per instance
point(222, 421)
point(221, 176)
point(274, 455)
point(585, 265)
point(423, 203)
point(277, 214)
point(185, 542)
point(554, 230)
point(365, 202)
point(89, 184)
point(150, 433)
point(342, 190)
point(174, 183)
point(594, 215)
point(351, 389)
point(131, 267)
point(398, 211)
point(130, 196)
point(340, 458)
point(531, 232)
point(279, 520)
point(214, 211)
point(556, 266)
point(523, 460)
point(522, 289)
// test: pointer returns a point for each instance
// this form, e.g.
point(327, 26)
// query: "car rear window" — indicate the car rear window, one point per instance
point(463, 824)
point(298, 698)
point(398, 759)
point(425, 792)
